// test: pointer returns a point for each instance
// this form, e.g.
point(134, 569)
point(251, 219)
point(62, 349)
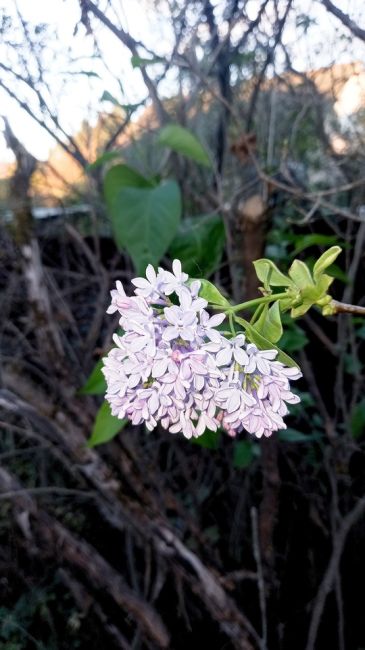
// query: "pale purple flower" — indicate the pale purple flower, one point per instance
point(182, 320)
point(258, 359)
point(150, 287)
point(207, 325)
point(173, 282)
point(181, 324)
point(228, 350)
point(120, 300)
point(172, 365)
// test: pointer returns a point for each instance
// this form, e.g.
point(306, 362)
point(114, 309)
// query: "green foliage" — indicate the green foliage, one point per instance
point(352, 364)
point(336, 272)
point(305, 241)
point(106, 157)
point(108, 97)
point(117, 178)
point(140, 62)
point(269, 274)
point(294, 337)
point(145, 215)
point(303, 289)
point(263, 343)
point(325, 261)
point(128, 108)
point(358, 420)
point(293, 435)
point(95, 384)
point(199, 244)
point(301, 275)
point(244, 453)
point(208, 440)
point(209, 292)
point(360, 331)
point(269, 322)
point(16, 623)
point(184, 142)
point(106, 426)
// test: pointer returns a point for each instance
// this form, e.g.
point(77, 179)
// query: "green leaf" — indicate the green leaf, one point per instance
point(140, 62)
point(269, 323)
point(337, 273)
point(305, 241)
point(360, 332)
point(301, 275)
point(104, 158)
point(208, 439)
point(263, 343)
point(121, 176)
point(95, 384)
point(128, 108)
point(108, 97)
point(145, 219)
point(268, 273)
point(326, 260)
point(352, 364)
point(293, 435)
point(199, 244)
point(358, 420)
point(294, 338)
point(209, 292)
point(106, 426)
point(323, 283)
point(184, 142)
point(243, 454)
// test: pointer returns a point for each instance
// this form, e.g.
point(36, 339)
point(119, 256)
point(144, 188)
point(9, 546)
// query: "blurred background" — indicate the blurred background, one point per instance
point(217, 132)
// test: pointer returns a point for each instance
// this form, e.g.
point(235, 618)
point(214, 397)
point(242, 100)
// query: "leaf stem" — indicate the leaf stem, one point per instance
point(231, 323)
point(257, 301)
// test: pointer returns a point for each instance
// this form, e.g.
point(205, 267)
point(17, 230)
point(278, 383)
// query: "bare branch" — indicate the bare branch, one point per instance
point(132, 45)
point(345, 19)
point(332, 569)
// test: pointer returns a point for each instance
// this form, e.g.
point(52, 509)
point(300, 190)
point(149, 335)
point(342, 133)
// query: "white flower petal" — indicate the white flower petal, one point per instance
point(170, 333)
point(151, 274)
point(234, 402)
point(176, 267)
point(224, 357)
point(240, 356)
point(141, 283)
point(159, 367)
point(216, 320)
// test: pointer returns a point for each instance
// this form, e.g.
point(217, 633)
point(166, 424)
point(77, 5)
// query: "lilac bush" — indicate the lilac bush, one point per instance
point(172, 365)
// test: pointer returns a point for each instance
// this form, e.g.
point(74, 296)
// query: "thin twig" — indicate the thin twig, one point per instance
point(332, 570)
point(39, 491)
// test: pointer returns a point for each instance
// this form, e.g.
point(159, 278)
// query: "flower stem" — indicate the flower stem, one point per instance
point(231, 323)
point(257, 301)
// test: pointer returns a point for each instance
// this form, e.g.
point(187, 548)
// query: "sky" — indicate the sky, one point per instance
point(80, 98)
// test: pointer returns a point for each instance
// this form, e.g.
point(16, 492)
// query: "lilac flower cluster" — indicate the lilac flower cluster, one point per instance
point(172, 365)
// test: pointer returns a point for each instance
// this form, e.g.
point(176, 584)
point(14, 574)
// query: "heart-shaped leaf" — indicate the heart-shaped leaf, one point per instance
point(145, 220)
